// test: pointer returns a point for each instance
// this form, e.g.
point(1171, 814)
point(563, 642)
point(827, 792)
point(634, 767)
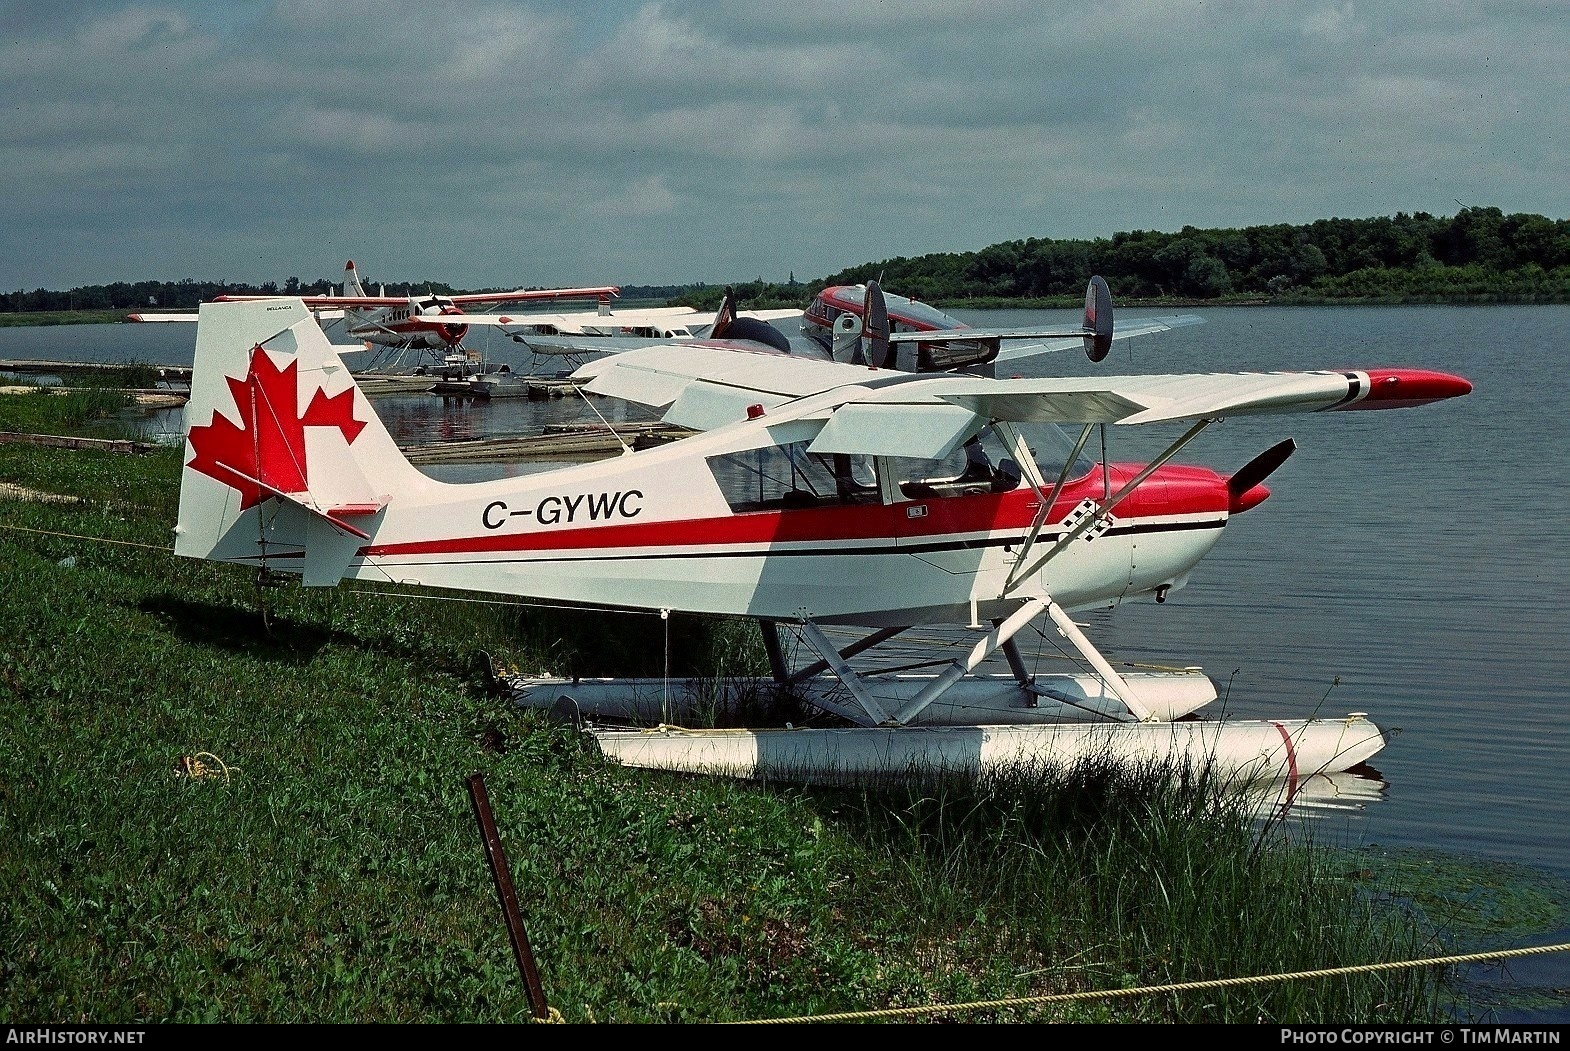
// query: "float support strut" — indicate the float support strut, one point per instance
point(1005, 630)
point(1114, 681)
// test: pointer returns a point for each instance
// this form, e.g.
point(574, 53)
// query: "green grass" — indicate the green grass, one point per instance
point(61, 317)
point(328, 867)
point(43, 410)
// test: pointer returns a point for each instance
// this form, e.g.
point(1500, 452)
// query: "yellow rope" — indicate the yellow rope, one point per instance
point(78, 536)
point(195, 768)
point(1217, 983)
point(359, 591)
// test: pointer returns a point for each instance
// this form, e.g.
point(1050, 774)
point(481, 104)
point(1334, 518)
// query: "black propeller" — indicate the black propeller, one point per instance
point(876, 331)
point(728, 324)
point(1098, 319)
point(1260, 467)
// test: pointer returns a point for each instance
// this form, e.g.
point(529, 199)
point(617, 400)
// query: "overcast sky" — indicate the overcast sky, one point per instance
point(524, 144)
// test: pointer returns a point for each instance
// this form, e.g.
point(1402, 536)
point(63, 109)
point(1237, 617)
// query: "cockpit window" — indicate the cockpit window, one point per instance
point(774, 478)
point(924, 316)
point(985, 464)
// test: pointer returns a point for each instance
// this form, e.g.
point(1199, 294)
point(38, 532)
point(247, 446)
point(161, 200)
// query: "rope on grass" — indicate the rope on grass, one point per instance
point(367, 592)
point(1150, 990)
point(100, 539)
point(196, 769)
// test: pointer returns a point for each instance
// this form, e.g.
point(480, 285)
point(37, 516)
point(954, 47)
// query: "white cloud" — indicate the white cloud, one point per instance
point(495, 143)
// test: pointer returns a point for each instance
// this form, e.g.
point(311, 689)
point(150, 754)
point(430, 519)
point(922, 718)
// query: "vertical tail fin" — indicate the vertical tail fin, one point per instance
point(287, 467)
point(729, 324)
point(351, 280)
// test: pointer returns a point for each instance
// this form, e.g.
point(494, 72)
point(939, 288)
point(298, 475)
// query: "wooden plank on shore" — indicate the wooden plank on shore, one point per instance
point(25, 366)
point(60, 441)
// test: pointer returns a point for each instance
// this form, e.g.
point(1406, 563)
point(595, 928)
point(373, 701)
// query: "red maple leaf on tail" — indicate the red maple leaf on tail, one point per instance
point(267, 446)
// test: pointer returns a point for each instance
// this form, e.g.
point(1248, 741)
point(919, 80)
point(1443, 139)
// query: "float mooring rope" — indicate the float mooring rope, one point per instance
point(1149, 990)
point(78, 536)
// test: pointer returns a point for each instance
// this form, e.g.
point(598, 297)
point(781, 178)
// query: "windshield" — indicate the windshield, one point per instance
point(986, 464)
point(920, 314)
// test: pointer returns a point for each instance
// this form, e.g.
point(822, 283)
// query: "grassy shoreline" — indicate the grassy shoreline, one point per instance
point(325, 867)
point(63, 317)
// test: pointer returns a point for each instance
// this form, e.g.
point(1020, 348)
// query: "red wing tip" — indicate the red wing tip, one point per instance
point(1396, 388)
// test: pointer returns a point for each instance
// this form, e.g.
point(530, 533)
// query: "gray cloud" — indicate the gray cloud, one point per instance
point(501, 144)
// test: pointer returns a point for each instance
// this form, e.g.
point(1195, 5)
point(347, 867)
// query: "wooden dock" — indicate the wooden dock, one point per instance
point(376, 383)
point(35, 366)
point(56, 441)
point(568, 441)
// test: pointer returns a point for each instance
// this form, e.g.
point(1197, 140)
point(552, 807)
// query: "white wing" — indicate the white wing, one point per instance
point(579, 321)
point(1050, 341)
point(328, 315)
point(877, 410)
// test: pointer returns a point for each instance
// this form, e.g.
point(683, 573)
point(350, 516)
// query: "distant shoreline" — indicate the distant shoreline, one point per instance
point(40, 318)
point(1074, 302)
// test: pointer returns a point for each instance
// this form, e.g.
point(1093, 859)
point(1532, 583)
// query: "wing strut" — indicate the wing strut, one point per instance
point(1027, 464)
point(1022, 571)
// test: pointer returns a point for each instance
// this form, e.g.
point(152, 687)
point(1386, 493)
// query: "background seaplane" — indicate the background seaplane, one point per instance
point(430, 323)
point(857, 324)
point(863, 325)
point(607, 331)
point(815, 494)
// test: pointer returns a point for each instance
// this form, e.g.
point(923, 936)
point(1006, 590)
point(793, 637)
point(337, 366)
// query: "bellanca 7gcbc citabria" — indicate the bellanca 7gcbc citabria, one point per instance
point(844, 493)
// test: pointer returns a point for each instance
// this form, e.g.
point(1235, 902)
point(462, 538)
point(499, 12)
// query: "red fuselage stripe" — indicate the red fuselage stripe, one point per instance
point(1172, 491)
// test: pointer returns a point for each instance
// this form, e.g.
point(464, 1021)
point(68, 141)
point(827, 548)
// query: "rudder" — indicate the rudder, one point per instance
point(287, 467)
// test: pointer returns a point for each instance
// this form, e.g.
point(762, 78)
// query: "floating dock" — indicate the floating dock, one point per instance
point(374, 383)
point(509, 385)
point(567, 441)
point(35, 366)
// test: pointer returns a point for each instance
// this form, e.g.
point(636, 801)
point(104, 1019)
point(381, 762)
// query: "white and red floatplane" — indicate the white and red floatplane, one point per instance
point(869, 492)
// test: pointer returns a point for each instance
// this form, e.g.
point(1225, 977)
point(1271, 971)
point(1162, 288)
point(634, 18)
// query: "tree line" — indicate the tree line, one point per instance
point(185, 294)
point(1476, 255)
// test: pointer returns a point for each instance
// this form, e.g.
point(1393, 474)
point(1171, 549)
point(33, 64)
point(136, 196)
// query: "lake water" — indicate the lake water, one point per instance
point(1413, 565)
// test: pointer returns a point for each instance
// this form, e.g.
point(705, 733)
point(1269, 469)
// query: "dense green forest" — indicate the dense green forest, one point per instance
point(1478, 255)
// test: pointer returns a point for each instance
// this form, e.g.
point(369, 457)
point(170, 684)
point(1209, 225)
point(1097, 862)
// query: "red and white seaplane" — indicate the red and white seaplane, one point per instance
point(430, 322)
point(815, 497)
point(863, 325)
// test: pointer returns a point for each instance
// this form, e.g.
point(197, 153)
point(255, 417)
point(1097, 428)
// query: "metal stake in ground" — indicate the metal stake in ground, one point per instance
point(515, 932)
